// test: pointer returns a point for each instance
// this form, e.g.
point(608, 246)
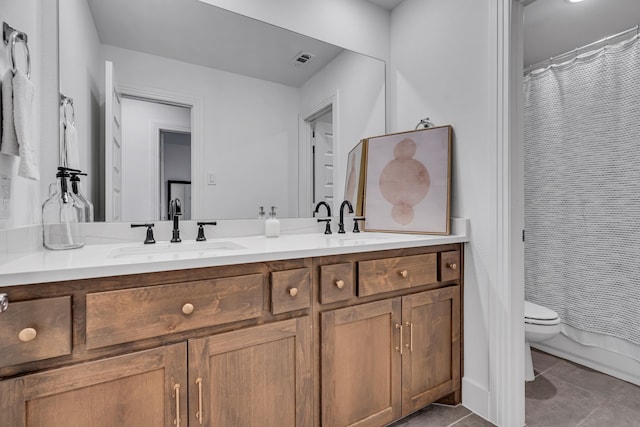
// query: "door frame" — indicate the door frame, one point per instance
point(506, 290)
point(197, 136)
point(305, 167)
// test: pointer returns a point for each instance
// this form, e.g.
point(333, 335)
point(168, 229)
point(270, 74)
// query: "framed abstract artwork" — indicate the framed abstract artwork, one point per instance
point(407, 185)
point(354, 182)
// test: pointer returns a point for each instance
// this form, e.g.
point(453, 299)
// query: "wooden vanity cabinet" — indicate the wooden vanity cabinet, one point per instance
point(259, 376)
point(146, 388)
point(396, 347)
point(347, 340)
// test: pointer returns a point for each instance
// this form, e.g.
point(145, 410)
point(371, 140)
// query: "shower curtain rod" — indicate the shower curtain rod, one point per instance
point(575, 51)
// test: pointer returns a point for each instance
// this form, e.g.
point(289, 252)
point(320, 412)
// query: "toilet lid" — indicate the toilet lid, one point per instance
point(538, 312)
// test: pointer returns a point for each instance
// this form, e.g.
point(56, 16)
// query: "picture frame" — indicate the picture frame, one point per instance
point(354, 181)
point(407, 181)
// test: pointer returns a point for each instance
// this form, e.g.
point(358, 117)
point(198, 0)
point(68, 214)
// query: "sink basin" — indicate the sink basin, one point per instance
point(167, 250)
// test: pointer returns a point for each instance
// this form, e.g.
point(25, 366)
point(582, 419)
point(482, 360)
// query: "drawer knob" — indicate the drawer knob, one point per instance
point(452, 266)
point(340, 284)
point(187, 308)
point(4, 302)
point(293, 292)
point(404, 273)
point(27, 334)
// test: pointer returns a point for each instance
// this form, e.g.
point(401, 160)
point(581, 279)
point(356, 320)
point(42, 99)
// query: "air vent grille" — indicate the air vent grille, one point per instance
point(302, 58)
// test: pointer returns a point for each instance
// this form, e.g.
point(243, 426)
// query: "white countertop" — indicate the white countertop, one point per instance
point(131, 258)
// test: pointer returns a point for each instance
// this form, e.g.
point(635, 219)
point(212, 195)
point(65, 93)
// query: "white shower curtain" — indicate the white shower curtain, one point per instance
point(582, 195)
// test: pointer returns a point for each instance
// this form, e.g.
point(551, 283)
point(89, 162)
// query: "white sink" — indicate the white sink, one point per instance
point(166, 250)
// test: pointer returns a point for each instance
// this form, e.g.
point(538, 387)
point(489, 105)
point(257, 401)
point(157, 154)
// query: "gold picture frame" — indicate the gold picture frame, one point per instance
point(407, 181)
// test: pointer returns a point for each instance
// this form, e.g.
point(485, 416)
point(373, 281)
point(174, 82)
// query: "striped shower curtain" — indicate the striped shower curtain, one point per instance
point(582, 194)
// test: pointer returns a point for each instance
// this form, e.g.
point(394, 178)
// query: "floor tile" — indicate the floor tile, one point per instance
point(434, 416)
point(543, 361)
point(629, 395)
point(473, 420)
point(552, 401)
point(616, 415)
point(586, 378)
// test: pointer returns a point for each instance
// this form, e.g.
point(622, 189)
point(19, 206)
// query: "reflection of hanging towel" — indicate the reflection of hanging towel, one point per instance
point(9, 142)
point(71, 145)
point(23, 94)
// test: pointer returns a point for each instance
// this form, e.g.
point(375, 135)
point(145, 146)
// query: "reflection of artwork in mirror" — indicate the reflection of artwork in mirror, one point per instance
point(408, 179)
point(179, 193)
point(354, 183)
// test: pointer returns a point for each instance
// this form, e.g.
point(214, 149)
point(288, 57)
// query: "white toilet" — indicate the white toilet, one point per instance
point(540, 324)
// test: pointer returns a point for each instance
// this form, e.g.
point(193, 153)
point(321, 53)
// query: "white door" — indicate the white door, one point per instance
point(323, 163)
point(113, 147)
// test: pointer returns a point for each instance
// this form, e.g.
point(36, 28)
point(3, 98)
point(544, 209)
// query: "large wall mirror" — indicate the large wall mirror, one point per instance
point(264, 116)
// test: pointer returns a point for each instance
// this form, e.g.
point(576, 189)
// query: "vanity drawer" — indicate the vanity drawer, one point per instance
point(290, 290)
point(120, 316)
point(390, 274)
point(35, 330)
point(336, 282)
point(449, 266)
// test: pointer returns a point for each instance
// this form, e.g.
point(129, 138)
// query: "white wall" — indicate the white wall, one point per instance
point(140, 155)
point(82, 78)
point(355, 24)
point(243, 118)
point(439, 69)
point(362, 85)
point(25, 202)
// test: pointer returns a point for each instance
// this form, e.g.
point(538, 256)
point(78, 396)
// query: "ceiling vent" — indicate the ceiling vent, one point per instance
point(302, 58)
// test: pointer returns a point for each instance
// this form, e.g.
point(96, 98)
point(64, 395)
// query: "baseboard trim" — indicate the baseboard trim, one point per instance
point(600, 359)
point(475, 398)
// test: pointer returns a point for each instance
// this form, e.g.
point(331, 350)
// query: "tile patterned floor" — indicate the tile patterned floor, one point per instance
point(563, 394)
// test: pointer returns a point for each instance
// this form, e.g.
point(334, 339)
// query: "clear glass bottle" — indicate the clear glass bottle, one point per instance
point(76, 188)
point(61, 213)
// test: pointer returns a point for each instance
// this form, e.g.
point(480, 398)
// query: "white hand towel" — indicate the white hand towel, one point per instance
point(71, 145)
point(9, 143)
point(23, 94)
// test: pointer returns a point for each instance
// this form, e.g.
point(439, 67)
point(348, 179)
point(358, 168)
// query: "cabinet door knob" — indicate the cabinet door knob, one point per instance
point(340, 284)
point(404, 273)
point(27, 334)
point(293, 292)
point(452, 266)
point(187, 308)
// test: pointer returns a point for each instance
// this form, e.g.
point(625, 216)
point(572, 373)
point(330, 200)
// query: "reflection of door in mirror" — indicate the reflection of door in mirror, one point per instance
point(156, 148)
point(175, 168)
point(322, 161)
point(113, 146)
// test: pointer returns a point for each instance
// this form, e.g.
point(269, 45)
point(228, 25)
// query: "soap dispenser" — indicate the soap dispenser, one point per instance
point(272, 224)
point(61, 213)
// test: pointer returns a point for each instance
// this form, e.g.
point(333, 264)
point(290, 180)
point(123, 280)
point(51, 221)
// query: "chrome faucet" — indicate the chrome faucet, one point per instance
point(175, 210)
point(327, 220)
point(341, 223)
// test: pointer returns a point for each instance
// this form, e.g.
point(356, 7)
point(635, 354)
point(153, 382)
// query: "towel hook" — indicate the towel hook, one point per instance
point(12, 36)
point(64, 102)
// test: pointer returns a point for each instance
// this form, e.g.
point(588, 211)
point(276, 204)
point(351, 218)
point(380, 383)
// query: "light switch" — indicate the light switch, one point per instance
point(211, 178)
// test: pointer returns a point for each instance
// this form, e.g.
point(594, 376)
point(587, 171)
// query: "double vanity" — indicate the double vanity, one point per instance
point(300, 330)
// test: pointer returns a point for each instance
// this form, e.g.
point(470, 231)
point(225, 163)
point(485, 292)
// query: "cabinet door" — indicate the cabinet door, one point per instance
point(360, 364)
point(431, 360)
point(259, 376)
point(135, 390)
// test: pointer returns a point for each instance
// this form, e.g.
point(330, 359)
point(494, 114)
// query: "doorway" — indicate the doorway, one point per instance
point(156, 148)
point(322, 157)
point(175, 171)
